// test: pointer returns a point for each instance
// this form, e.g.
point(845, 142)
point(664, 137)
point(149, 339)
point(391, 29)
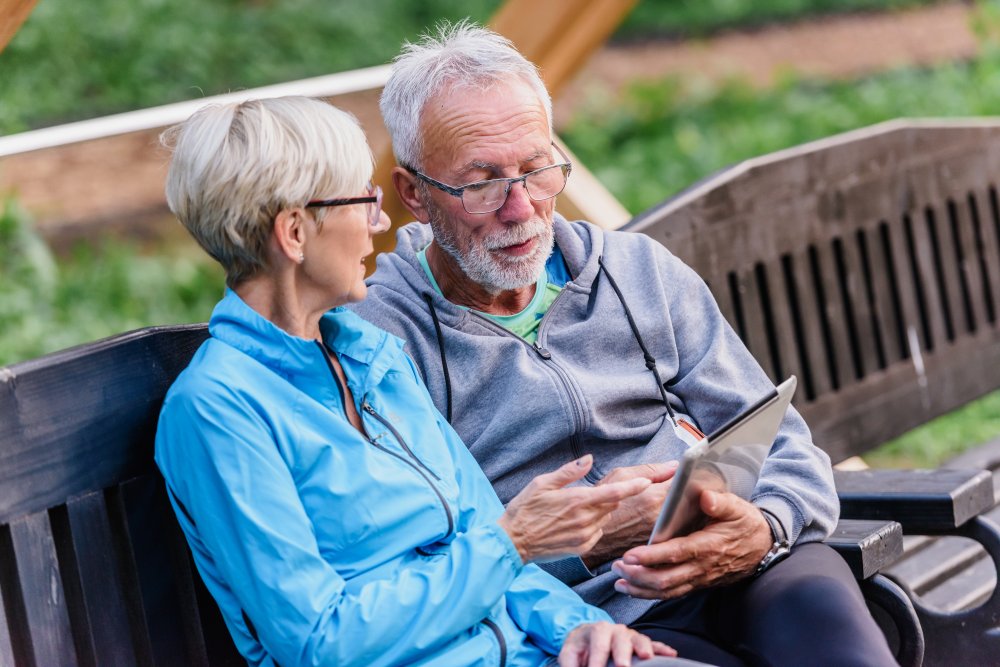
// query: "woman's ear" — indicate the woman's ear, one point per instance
point(406, 187)
point(290, 233)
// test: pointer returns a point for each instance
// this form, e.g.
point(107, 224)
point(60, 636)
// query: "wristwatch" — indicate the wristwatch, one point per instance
point(780, 547)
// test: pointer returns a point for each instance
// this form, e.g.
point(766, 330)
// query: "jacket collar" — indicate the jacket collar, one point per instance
point(365, 351)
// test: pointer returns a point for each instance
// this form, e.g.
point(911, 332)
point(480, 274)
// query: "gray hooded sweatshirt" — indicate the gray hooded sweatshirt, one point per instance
point(584, 386)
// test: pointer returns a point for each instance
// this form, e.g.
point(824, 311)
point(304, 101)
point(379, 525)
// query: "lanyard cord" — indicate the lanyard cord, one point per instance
point(650, 360)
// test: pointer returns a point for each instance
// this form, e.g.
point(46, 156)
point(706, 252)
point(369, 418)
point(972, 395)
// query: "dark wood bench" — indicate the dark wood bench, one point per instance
point(868, 264)
point(94, 571)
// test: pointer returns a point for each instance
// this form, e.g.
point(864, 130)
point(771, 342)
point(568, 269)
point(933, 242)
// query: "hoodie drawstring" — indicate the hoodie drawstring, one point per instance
point(649, 359)
point(444, 359)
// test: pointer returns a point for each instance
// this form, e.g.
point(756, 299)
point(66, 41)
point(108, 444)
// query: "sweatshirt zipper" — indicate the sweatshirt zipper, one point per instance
point(503, 644)
point(574, 440)
point(415, 463)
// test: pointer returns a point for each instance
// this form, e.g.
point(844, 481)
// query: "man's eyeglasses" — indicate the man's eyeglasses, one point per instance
point(374, 201)
point(490, 195)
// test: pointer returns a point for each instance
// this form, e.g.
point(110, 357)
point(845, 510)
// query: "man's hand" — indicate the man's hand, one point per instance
point(593, 644)
point(631, 524)
point(548, 521)
point(729, 548)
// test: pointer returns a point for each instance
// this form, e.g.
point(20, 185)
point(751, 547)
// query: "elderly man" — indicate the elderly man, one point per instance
point(542, 339)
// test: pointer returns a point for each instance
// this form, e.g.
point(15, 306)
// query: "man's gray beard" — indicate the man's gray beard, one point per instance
point(479, 264)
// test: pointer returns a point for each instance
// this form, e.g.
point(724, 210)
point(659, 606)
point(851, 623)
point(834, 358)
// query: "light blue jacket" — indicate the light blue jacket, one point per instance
point(324, 547)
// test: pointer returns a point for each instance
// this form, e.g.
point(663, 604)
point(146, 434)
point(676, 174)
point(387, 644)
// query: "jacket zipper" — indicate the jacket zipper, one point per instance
point(413, 464)
point(416, 463)
point(500, 640)
point(574, 440)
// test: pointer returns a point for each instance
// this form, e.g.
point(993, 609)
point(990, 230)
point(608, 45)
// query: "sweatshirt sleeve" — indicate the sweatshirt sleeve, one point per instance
point(717, 377)
point(542, 606)
point(237, 501)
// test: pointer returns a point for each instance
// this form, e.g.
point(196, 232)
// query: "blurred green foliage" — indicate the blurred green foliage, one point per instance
point(97, 291)
point(663, 136)
point(73, 60)
point(697, 18)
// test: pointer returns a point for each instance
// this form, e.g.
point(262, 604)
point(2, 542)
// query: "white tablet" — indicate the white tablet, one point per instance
point(729, 459)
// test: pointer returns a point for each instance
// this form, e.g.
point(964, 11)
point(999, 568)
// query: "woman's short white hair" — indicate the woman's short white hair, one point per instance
point(460, 54)
point(235, 166)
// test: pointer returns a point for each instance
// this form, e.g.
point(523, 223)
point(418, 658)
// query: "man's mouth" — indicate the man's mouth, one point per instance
point(519, 248)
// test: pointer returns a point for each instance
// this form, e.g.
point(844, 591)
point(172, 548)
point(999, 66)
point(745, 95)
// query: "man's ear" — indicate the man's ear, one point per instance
point(290, 233)
point(406, 187)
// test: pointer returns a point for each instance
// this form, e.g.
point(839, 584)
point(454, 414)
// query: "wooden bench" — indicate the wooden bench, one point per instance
point(868, 264)
point(94, 571)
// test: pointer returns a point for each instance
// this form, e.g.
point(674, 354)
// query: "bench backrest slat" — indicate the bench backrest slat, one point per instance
point(867, 264)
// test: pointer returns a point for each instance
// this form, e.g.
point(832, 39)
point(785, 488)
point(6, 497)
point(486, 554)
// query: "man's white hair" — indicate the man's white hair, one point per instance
point(236, 166)
point(458, 55)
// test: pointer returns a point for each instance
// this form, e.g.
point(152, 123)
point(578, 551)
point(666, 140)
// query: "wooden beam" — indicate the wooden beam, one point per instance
point(558, 37)
point(12, 15)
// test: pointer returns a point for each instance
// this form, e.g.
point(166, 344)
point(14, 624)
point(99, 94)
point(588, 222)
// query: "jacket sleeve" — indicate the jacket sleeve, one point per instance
point(542, 606)
point(717, 377)
point(238, 503)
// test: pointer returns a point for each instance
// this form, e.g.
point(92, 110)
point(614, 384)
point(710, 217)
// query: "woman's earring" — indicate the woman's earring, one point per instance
point(302, 257)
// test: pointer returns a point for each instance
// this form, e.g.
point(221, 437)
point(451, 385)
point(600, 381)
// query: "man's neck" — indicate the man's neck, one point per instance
point(460, 290)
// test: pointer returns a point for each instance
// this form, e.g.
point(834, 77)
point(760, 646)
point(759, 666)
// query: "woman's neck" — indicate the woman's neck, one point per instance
point(278, 301)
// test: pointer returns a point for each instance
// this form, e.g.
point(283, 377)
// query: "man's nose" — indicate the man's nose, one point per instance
point(519, 207)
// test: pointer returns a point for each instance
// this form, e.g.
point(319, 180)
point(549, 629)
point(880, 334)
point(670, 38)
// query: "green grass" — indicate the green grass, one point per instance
point(934, 443)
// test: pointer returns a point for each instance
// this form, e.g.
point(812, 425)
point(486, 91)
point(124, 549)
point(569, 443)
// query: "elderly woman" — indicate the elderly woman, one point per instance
point(332, 512)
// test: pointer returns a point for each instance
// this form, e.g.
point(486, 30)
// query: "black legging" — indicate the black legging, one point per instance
point(806, 610)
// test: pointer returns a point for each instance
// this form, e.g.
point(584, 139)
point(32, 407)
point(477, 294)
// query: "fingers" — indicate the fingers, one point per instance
point(654, 472)
point(565, 474)
point(601, 636)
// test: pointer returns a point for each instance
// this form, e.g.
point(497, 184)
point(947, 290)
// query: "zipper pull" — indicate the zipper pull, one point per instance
point(542, 352)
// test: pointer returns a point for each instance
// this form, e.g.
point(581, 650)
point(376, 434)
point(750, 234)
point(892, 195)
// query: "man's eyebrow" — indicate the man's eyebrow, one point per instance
point(494, 167)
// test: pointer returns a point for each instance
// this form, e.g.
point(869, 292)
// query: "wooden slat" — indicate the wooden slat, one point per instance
point(748, 293)
point(923, 281)
point(865, 344)
point(42, 591)
point(888, 312)
point(104, 603)
point(784, 325)
point(987, 252)
point(909, 284)
point(973, 313)
point(14, 637)
point(820, 381)
point(835, 317)
point(164, 582)
point(946, 267)
point(107, 395)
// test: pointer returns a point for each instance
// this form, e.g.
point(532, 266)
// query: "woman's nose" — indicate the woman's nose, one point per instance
point(383, 223)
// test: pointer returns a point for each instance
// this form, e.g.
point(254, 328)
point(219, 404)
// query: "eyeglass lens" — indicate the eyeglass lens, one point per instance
point(375, 207)
point(488, 196)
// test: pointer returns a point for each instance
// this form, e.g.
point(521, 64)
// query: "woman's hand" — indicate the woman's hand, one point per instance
point(547, 521)
point(594, 644)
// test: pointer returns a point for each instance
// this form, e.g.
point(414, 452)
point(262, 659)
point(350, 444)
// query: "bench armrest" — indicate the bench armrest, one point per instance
point(925, 502)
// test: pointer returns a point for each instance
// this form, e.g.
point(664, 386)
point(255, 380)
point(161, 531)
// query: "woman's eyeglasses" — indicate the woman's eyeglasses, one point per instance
point(373, 199)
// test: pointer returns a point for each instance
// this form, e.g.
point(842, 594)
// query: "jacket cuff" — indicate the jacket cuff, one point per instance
point(571, 571)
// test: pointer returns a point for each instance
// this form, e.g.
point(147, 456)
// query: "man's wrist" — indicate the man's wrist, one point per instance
point(780, 546)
